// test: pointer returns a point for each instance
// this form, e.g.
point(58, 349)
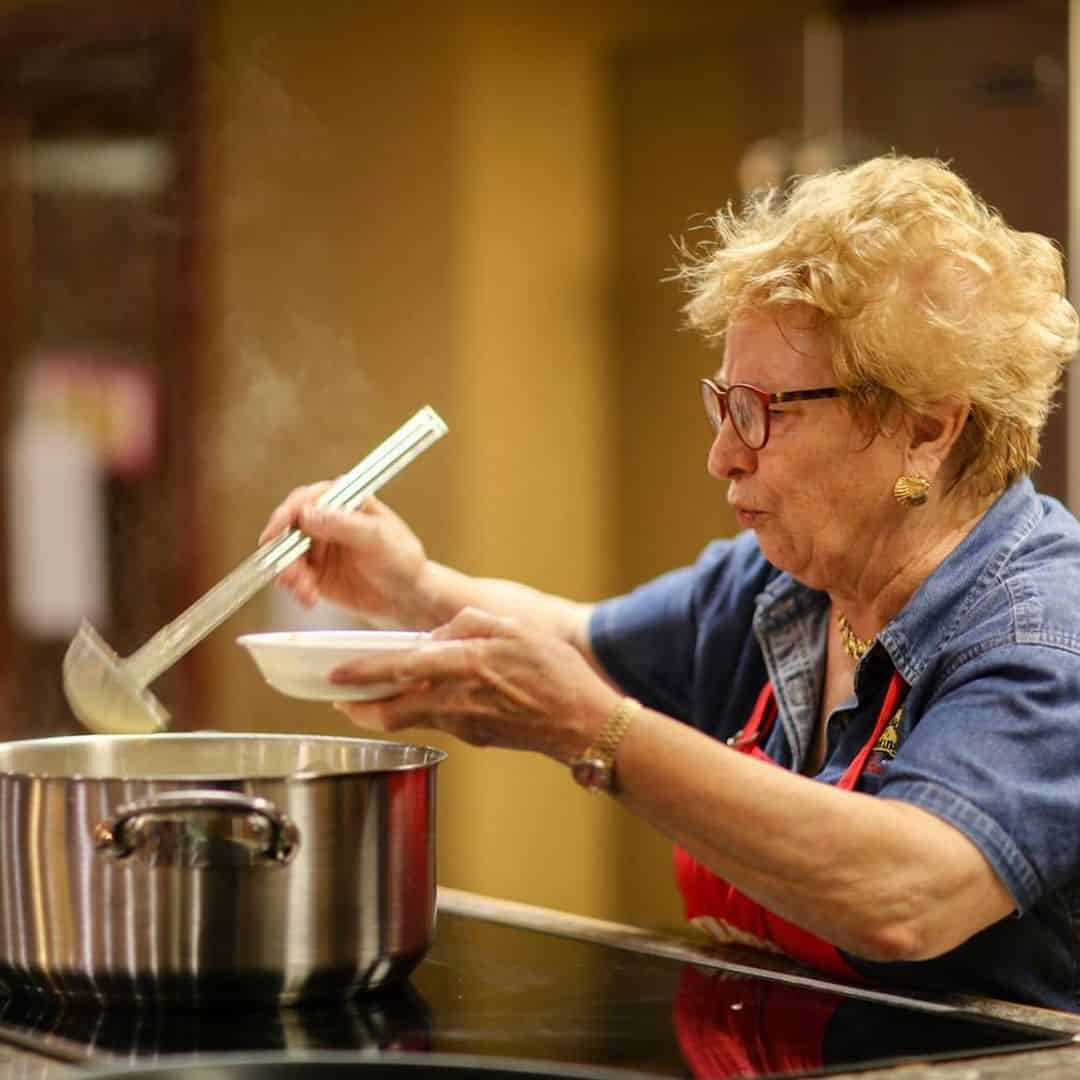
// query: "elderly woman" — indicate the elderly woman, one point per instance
point(859, 719)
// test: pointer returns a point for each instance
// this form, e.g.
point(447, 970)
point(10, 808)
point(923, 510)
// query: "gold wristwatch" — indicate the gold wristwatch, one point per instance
point(595, 769)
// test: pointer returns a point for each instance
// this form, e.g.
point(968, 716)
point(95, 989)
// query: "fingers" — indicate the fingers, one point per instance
point(416, 709)
point(437, 689)
point(471, 622)
point(454, 651)
point(326, 528)
point(494, 685)
point(366, 715)
point(438, 660)
point(300, 508)
point(413, 707)
point(449, 684)
point(286, 513)
point(347, 527)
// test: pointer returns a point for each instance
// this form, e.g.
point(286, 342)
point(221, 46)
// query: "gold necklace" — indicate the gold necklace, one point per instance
point(855, 646)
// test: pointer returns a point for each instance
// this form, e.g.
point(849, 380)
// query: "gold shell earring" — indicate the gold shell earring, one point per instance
point(911, 490)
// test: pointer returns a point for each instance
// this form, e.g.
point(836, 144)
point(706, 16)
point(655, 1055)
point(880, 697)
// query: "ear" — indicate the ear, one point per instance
point(932, 435)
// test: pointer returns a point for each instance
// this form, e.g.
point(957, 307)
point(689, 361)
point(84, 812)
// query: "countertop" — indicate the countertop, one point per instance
point(21, 1064)
point(1058, 1062)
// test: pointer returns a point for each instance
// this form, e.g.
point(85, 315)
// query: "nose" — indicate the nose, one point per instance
point(729, 456)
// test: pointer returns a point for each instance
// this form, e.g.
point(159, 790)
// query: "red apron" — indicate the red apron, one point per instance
point(708, 898)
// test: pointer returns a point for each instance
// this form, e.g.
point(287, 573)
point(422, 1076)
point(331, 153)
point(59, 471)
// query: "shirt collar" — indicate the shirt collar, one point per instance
point(934, 614)
point(930, 618)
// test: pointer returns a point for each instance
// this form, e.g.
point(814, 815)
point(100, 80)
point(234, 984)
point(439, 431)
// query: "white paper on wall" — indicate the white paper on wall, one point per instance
point(57, 528)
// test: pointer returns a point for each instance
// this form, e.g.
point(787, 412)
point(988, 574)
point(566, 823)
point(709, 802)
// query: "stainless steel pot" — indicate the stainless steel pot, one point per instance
point(200, 868)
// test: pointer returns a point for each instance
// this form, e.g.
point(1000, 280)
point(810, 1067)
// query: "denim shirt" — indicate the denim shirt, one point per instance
point(988, 739)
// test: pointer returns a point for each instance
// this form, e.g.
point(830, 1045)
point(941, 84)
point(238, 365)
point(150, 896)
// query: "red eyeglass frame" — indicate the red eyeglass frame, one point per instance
point(712, 389)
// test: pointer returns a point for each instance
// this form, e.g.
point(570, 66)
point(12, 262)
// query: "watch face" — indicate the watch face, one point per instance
point(592, 773)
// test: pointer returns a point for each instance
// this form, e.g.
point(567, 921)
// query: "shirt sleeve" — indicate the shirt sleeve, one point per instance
point(995, 755)
point(680, 643)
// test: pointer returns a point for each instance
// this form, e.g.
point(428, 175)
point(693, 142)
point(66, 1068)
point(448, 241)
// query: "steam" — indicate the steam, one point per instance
point(293, 389)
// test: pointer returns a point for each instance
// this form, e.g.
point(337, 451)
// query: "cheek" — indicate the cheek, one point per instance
point(845, 511)
point(820, 512)
point(813, 497)
point(846, 472)
point(815, 530)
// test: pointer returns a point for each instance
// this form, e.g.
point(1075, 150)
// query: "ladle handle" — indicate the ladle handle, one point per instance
point(178, 637)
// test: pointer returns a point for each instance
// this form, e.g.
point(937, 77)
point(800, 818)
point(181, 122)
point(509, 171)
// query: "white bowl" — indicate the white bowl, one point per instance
point(298, 663)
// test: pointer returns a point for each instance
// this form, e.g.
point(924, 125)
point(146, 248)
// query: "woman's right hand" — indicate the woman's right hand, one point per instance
point(365, 559)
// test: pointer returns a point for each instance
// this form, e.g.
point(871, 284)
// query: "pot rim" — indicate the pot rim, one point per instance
point(431, 757)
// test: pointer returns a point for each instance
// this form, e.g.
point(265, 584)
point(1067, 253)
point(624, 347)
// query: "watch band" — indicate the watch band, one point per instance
point(595, 769)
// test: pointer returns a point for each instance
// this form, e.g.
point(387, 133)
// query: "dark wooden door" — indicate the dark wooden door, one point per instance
point(97, 224)
point(982, 86)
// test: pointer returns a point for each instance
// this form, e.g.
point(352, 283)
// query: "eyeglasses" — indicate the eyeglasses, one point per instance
point(749, 407)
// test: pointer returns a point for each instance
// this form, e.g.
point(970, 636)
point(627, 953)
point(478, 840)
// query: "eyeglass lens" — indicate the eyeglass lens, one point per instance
point(748, 413)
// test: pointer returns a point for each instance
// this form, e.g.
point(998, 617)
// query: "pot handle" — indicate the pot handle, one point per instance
point(120, 834)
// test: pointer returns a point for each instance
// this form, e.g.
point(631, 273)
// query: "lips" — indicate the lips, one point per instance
point(746, 516)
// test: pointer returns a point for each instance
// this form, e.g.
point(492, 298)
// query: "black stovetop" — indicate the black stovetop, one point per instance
point(498, 991)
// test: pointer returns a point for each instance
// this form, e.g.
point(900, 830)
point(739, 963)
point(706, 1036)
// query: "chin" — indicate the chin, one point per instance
point(783, 558)
point(777, 554)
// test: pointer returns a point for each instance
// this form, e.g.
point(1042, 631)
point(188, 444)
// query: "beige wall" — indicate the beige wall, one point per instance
point(417, 207)
point(470, 204)
point(531, 451)
point(327, 237)
point(420, 203)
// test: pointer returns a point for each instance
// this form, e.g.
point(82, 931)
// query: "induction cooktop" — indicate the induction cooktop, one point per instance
point(497, 992)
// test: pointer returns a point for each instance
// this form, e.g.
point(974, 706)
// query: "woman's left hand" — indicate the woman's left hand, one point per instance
point(489, 681)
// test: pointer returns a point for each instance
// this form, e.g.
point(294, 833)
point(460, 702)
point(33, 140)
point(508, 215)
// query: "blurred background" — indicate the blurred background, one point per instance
point(242, 241)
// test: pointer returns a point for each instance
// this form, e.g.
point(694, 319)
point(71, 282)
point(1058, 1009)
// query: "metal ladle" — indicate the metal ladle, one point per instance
point(110, 694)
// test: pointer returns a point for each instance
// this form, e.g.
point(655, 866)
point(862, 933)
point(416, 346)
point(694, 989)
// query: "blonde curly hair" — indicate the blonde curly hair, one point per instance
point(924, 292)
